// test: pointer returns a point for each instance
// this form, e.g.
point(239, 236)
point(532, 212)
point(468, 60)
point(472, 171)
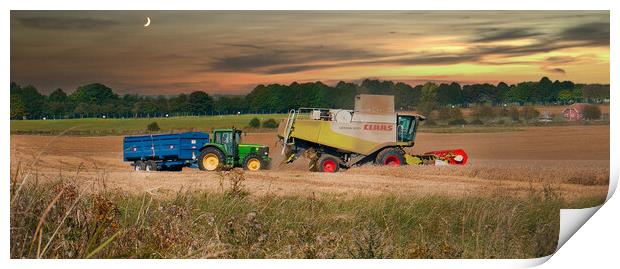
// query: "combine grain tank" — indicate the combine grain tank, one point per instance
point(340, 138)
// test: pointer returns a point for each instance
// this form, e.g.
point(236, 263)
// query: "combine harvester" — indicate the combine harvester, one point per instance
point(373, 132)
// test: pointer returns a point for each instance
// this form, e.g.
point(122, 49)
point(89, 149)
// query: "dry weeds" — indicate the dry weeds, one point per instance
point(58, 219)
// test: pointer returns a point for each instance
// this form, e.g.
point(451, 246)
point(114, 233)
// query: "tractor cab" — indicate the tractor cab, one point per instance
point(228, 138)
point(407, 125)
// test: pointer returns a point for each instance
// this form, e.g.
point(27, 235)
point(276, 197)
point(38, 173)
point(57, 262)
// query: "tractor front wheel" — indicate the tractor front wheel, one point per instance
point(211, 159)
point(327, 163)
point(391, 157)
point(253, 162)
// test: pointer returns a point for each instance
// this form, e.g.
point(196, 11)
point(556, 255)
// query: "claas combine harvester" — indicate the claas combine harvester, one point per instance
point(372, 132)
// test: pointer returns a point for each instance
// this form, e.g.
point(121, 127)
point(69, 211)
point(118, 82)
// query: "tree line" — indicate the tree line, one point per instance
point(98, 100)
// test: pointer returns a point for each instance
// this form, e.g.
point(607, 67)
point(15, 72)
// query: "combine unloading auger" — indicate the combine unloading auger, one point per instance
point(371, 133)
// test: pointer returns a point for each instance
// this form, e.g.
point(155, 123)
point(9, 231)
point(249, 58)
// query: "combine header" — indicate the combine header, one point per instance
point(373, 132)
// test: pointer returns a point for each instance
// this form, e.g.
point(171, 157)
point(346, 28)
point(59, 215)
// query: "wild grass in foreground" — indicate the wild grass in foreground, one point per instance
point(61, 220)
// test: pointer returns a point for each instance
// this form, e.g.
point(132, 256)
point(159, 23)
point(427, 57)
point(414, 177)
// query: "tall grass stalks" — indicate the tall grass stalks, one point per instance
point(61, 219)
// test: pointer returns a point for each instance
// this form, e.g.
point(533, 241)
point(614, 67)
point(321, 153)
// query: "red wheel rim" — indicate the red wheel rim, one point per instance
point(329, 166)
point(392, 160)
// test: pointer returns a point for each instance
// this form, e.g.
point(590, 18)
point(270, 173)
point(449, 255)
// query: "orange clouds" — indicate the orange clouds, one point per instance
point(231, 52)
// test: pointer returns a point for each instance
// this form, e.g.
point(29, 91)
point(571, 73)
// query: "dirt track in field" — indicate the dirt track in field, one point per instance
point(573, 160)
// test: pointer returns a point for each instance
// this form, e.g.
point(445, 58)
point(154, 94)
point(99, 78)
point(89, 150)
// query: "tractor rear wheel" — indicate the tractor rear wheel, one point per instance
point(253, 162)
point(211, 159)
point(391, 157)
point(327, 163)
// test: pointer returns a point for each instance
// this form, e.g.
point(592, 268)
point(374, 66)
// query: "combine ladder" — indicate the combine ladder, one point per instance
point(292, 115)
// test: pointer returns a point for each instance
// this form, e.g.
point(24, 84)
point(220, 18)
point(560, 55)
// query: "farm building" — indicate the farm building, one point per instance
point(574, 112)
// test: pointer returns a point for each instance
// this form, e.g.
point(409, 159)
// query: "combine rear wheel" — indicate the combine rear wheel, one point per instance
point(327, 163)
point(391, 157)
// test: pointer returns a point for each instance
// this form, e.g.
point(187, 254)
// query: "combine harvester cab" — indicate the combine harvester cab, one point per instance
point(373, 132)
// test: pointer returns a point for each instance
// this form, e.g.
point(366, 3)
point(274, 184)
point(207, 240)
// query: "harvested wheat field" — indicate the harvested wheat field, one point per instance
point(573, 161)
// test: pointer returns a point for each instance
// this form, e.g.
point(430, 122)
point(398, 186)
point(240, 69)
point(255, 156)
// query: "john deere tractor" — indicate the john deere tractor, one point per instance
point(225, 150)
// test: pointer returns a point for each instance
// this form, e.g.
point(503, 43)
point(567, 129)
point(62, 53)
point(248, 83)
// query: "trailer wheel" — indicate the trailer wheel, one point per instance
point(391, 157)
point(139, 166)
point(150, 166)
point(253, 162)
point(211, 159)
point(328, 163)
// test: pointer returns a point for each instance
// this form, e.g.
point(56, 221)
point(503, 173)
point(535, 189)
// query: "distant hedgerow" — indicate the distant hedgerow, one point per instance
point(270, 123)
point(254, 123)
point(153, 127)
point(592, 112)
point(457, 122)
point(476, 122)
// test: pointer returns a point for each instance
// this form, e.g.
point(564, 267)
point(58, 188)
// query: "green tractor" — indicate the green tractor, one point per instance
point(225, 151)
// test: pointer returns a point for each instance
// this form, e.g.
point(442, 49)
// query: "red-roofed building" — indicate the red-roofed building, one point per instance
point(574, 112)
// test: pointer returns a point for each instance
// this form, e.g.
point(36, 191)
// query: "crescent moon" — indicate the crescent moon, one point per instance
point(148, 22)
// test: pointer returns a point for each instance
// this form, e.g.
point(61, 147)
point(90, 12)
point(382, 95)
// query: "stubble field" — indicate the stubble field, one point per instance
point(574, 159)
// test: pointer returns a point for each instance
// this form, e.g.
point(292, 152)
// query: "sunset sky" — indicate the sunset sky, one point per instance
point(230, 52)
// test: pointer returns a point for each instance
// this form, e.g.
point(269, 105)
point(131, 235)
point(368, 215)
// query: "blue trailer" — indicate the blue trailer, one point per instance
point(164, 152)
